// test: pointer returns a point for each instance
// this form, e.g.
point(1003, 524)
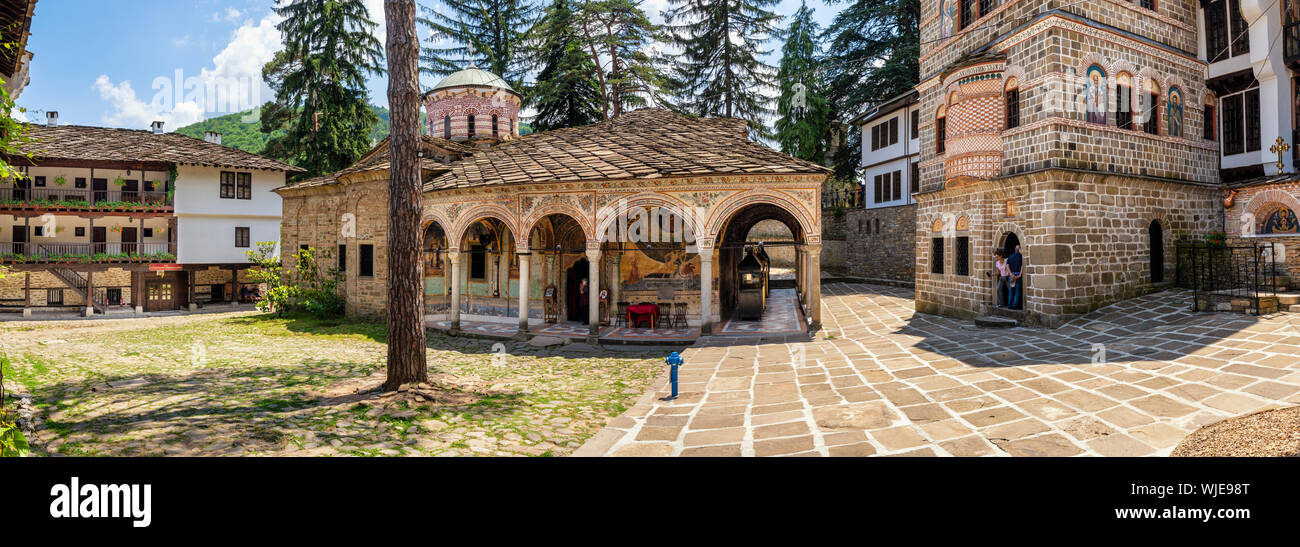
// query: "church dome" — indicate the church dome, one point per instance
point(473, 76)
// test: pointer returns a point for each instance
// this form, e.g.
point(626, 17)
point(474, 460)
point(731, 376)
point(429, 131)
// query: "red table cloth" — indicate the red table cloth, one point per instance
point(636, 312)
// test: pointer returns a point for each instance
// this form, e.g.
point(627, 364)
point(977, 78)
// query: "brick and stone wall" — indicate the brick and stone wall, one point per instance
point(322, 218)
point(1244, 221)
point(482, 103)
point(875, 243)
point(11, 287)
point(1084, 238)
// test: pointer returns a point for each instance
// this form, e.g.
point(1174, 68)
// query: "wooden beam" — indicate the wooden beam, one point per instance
point(27, 290)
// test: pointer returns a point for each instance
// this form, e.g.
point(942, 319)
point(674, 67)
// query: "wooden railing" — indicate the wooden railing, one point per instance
point(87, 252)
point(83, 197)
point(848, 199)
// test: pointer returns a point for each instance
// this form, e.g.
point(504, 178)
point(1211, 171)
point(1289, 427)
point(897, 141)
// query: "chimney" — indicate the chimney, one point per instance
point(212, 137)
point(52, 118)
point(157, 127)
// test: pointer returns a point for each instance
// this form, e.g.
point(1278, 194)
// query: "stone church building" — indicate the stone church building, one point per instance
point(1078, 131)
point(648, 207)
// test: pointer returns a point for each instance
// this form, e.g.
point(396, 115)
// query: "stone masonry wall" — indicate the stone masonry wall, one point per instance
point(319, 221)
point(1084, 237)
point(875, 243)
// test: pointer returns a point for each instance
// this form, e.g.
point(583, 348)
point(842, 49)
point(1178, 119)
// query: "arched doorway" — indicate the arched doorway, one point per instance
point(488, 269)
point(1010, 242)
point(437, 290)
point(782, 236)
point(573, 300)
point(556, 244)
point(1010, 246)
point(1156, 234)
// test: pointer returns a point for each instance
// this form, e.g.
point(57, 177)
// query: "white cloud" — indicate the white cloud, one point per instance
point(233, 83)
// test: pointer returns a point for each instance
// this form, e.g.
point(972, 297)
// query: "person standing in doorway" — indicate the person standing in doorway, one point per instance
point(1003, 273)
point(1015, 263)
point(584, 304)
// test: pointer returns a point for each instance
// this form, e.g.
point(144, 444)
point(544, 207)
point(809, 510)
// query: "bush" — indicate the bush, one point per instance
point(308, 287)
point(12, 442)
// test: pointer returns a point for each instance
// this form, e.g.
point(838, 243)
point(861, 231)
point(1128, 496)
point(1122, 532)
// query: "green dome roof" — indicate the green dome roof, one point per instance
point(473, 76)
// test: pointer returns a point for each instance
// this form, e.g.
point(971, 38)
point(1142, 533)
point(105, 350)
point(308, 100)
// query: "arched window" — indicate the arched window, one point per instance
point(494, 126)
point(1151, 114)
point(1174, 114)
point(1124, 100)
point(940, 129)
point(1012, 103)
point(1208, 130)
point(1148, 4)
point(1095, 94)
point(470, 122)
point(446, 127)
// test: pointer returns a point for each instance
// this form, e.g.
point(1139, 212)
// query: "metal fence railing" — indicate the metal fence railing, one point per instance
point(1220, 274)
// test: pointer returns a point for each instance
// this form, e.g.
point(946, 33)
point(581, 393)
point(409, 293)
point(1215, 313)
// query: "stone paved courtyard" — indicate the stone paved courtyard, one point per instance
point(254, 385)
point(1132, 379)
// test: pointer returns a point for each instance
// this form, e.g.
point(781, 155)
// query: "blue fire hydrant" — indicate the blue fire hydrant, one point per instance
point(675, 361)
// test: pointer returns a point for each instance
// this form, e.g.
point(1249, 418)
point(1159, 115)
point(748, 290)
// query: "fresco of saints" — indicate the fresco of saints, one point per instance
point(1175, 112)
point(1095, 95)
point(947, 14)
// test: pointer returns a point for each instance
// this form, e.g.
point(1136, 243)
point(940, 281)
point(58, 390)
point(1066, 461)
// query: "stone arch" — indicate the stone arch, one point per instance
point(1094, 58)
point(491, 210)
point(431, 214)
point(529, 222)
point(1014, 71)
point(724, 211)
point(1261, 205)
point(605, 216)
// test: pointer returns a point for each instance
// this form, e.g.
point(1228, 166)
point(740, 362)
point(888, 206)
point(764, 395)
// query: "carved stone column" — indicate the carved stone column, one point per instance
point(453, 261)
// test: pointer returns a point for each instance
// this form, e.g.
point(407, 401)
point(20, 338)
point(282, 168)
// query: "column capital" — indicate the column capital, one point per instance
point(453, 255)
point(593, 254)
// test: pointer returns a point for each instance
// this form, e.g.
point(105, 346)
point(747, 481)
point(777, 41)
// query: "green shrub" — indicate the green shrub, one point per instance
point(308, 287)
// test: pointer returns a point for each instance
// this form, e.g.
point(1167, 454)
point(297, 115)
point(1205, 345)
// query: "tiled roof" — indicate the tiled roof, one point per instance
point(438, 153)
point(647, 143)
point(85, 143)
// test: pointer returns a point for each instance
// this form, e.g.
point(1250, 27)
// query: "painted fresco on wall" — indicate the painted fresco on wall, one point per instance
point(1282, 221)
point(674, 268)
point(1175, 113)
point(947, 14)
point(1096, 95)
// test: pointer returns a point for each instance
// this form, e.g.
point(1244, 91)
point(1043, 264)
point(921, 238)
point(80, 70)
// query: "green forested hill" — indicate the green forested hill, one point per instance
point(249, 137)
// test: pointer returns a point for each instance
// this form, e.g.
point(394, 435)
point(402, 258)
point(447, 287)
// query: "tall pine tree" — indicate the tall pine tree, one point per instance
point(801, 128)
point(874, 54)
point(566, 93)
point(489, 33)
point(618, 37)
point(719, 70)
point(319, 81)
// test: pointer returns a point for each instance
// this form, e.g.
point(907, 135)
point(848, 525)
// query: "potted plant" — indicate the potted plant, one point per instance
point(60, 180)
point(1216, 238)
point(119, 181)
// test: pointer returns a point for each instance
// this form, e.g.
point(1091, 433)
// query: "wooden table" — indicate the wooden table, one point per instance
point(635, 311)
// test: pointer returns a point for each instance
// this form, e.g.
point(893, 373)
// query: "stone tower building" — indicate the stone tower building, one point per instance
point(1074, 129)
point(473, 104)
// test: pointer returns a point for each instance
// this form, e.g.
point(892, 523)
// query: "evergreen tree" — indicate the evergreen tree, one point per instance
point(801, 129)
point(618, 37)
point(489, 33)
point(719, 69)
point(319, 79)
point(875, 48)
point(566, 93)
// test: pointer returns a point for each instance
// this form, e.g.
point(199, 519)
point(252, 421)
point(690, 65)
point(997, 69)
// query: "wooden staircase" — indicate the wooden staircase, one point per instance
point(78, 283)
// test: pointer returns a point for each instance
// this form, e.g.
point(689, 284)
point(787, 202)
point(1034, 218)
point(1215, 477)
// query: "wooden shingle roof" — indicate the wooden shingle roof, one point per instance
point(647, 143)
point(90, 144)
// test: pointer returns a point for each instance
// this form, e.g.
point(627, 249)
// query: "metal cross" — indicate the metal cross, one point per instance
point(1279, 148)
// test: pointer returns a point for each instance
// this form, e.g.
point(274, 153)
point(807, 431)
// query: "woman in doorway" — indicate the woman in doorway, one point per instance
point(1003, 273)
point(584, 301)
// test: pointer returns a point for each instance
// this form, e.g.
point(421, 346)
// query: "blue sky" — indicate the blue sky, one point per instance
point(97, 63)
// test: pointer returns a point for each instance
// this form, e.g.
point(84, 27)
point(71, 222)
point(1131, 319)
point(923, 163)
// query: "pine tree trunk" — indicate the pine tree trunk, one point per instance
point(406, 356)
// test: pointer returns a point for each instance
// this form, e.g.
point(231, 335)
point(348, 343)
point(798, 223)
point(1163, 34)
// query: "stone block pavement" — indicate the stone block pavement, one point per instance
point(1131, 379)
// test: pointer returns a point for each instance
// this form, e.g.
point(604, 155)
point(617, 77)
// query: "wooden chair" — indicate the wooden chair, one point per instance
point(679, 315)
point(620, 320)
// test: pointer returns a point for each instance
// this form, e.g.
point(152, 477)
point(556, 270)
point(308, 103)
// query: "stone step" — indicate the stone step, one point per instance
point(989, 321)
point(1295, 308)
point(1288, 299)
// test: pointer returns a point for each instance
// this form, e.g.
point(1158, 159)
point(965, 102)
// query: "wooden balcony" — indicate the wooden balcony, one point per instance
point(87, 253)
point(13, 198)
